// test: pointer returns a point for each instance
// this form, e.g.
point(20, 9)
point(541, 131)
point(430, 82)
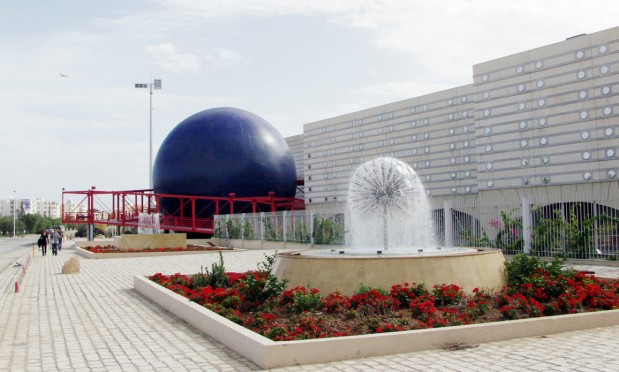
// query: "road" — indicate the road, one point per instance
point(12, 249)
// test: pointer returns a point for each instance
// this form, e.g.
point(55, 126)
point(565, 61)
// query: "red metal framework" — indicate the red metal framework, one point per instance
point(192, 213)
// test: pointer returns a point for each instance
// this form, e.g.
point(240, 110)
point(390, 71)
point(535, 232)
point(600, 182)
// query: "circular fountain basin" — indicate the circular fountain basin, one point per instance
point(331, 271)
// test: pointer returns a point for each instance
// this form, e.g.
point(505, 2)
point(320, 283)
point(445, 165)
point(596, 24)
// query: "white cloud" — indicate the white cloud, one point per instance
point(168, 57)
point(225, 58)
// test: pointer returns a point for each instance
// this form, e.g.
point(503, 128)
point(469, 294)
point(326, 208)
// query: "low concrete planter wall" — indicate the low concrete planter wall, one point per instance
point(269, 354)
point(141, 241)
point(87, 254)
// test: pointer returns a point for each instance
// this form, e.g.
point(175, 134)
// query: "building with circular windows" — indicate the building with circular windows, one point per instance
point(540, 125)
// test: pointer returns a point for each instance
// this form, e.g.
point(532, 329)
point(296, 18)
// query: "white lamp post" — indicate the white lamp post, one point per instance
point(156, 84)
point(14, 208)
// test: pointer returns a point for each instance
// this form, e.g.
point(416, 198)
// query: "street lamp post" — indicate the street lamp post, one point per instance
point(155, 84)
point(14, 207)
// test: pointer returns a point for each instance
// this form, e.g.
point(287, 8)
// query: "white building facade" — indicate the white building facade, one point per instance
point(533, 129)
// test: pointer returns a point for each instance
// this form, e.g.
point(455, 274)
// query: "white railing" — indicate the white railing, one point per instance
point(547, 228)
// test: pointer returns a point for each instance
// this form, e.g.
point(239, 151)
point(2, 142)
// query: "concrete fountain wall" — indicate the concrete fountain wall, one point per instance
point(484, 268)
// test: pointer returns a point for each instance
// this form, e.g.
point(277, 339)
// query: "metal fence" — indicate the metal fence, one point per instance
point(285, 226)
point(584, 229)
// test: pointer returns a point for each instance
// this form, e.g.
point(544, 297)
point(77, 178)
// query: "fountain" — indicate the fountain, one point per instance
point(393, 241)
point(148, 223)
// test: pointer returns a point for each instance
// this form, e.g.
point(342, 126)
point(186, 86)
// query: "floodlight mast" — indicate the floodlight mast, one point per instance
point(155, 84)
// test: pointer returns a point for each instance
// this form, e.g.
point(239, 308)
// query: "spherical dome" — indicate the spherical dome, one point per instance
point(224, 150)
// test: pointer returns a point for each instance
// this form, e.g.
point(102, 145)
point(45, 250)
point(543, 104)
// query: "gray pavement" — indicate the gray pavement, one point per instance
point(95, 321)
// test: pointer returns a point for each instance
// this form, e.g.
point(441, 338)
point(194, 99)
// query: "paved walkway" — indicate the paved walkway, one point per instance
point(95, 321)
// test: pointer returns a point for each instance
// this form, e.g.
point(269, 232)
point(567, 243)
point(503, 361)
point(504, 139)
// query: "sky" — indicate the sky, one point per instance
point(71, 118)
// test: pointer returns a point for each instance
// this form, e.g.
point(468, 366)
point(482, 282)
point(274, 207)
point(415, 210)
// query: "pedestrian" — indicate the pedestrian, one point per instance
point(55, 242)
point(42, 242)
point(61, 239)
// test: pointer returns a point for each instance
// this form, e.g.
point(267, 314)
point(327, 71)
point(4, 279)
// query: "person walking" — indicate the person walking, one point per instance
point(55, 242)
point(42, 242)
point(61, 239)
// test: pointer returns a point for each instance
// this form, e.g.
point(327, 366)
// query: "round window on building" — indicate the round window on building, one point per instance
point(609, 132)
point(611, 174)
point(489, 166)
point(584, 135)
point(523, 143)
point(610, 153)
point(539, 64)
point(606, 90)
point(604, 69)
point(522, 124)
point(524, 162)
point(603, 49)
point(586, 155)
point(490, 183)
point(542, 121)
point(467, 174)
point(587, 176)
point(584, 115)
point(467, 189)
point(582, 94)
point(580, 54)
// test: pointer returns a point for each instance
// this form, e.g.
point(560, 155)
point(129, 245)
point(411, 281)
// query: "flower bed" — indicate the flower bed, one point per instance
point(188, 248)
point(259, 301)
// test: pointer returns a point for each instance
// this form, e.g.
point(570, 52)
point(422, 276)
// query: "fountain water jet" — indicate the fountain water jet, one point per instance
point(386, 192)
point(389, 213)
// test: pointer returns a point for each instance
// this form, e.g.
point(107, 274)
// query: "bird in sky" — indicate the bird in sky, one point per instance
point(64, 75)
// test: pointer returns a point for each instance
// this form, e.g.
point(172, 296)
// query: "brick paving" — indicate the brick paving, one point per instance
point(95, 321)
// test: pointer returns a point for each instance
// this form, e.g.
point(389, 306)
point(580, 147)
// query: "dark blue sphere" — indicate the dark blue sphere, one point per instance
point(224, 150)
